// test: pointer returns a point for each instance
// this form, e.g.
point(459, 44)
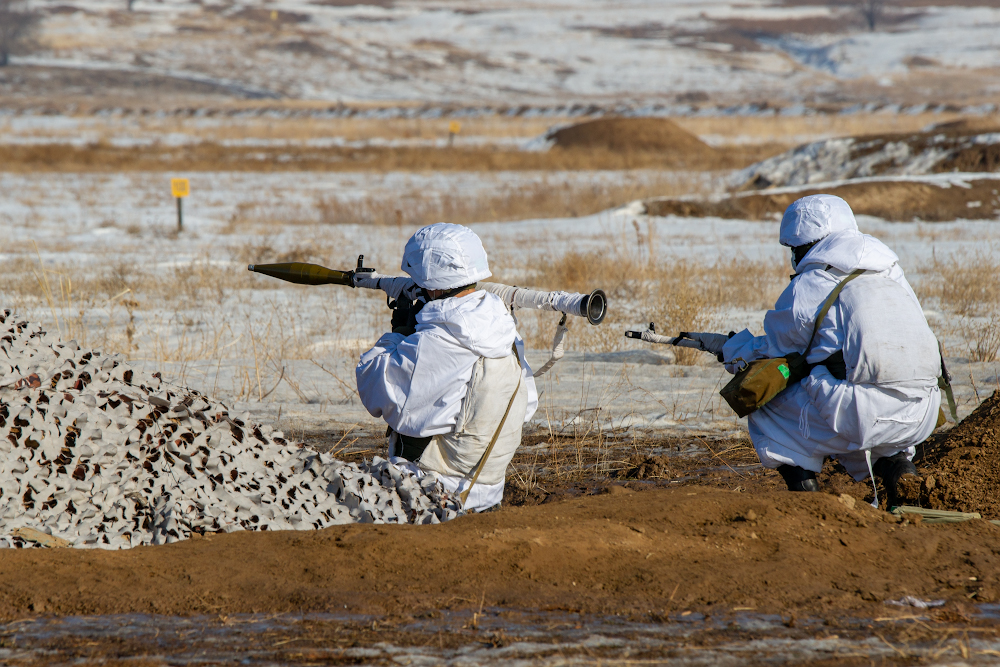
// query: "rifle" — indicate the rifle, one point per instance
point(593, 306)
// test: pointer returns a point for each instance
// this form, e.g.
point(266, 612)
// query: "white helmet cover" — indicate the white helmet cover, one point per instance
point(444, 256)
point(813, 218)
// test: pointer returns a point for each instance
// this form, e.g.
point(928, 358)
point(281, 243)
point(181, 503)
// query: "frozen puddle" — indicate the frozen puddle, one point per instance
point(496, 636)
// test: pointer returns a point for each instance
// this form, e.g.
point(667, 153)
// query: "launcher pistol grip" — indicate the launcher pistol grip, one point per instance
point(361, 268)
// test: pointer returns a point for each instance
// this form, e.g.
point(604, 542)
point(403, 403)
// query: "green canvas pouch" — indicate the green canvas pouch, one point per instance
point(763, 379)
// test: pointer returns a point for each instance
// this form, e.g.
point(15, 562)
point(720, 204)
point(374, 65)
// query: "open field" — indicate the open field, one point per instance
point(511, 52)
point(638, 524)
point(111, 271)
point(214, 157)
point(245, 124)
point(635, 508)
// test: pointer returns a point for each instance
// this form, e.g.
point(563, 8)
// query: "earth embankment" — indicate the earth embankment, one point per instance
point(895, 200)
point(961, 468)
point(650, 551)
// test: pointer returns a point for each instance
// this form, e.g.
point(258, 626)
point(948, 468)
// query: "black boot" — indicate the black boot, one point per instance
point(896, 469)
point(798, 479)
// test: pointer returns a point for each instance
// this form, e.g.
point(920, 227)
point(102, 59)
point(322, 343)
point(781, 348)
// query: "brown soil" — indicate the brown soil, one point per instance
point(632, 135)
point(961, 468)
point(690, 524)
point(699, 526)
point(626, 551)
point(890, 200)
point(644, 466)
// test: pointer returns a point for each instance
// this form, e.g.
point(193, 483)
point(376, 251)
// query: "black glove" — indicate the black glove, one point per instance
point(404, 315)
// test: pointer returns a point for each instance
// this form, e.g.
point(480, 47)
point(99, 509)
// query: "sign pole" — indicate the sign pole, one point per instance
point(180, 188)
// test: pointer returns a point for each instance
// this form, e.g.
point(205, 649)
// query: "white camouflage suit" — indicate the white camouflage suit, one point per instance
point(890, 399)
point(453, 378)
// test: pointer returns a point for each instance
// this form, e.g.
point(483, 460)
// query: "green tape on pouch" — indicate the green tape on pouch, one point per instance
point(783, 369)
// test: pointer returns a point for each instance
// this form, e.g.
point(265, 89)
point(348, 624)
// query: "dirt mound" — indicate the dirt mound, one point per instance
point(658, 551)
point(630, 135)
point(901, 201)
point(961, 468)
point(645, 466)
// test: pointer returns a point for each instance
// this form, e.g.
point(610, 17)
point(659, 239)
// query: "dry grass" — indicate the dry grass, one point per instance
point(538, 198)
point(222, 128)
point(964, 283)
point(967, 284)
point(770, 135)
point(252, 330)
point(786, 130)
point(746, 140)
point(106, 157)
point(723, 130)
point(982, 337)
point(679, 295)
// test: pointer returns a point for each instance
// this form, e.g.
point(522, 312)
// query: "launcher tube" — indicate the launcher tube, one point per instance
point(592, 306)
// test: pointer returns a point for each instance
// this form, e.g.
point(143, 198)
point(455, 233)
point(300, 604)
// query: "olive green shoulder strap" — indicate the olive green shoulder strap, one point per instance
point(944, 383)
point(827, 304)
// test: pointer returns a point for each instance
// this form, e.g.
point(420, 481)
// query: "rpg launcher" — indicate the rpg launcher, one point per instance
point(593, 306)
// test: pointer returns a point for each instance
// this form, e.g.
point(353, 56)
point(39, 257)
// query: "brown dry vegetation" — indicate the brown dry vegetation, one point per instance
point(967, 285)
point(890, 200)
point(540, 198)
point(678, 295)
point(215, 124)
point(112, 308)
point(218, 124)
point(629, 143)
point(104, 157)
point(116, 307)
point(800, 129)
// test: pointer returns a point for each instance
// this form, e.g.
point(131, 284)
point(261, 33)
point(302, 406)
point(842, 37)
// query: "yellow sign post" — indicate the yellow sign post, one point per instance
point(180, 188)
point(454, 127)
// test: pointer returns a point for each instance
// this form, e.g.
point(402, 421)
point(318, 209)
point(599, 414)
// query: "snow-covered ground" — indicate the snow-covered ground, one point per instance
point(96, 257)
point(860, 159)
point(516, 51)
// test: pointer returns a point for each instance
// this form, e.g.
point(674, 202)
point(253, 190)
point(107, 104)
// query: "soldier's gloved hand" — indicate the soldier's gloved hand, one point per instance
point(404, 315)
point(706, 342)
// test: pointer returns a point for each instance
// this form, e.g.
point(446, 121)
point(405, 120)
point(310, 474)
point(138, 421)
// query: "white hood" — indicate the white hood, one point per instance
point(417, 382)
point(444, 256)
point(814, 217)
point(474, 321)
point(849, 250)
